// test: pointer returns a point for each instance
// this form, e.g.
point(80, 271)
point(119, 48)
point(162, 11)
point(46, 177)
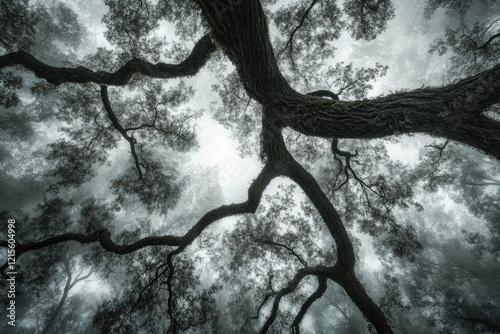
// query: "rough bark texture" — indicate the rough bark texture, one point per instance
point(453, 111)
point(240, 28)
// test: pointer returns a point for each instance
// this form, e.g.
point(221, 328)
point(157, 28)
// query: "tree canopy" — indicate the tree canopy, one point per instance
point(363, 193)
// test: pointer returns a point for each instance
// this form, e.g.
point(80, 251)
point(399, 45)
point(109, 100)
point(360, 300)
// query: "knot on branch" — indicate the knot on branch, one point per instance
point(336, 151)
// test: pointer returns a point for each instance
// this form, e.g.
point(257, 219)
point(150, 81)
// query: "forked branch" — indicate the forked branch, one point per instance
point(317, 294)
point(114, 120)
point(104, 236)
point(289, 43)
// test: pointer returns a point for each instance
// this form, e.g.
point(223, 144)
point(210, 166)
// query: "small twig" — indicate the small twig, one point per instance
point(111, 115)
point(290, 39)
point(290, 250)
point(440, 148)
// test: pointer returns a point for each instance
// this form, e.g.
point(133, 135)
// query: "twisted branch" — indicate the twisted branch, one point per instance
point(58, 75)
point(103, 236)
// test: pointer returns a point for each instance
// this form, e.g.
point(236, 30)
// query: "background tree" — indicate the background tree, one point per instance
point(102, 142)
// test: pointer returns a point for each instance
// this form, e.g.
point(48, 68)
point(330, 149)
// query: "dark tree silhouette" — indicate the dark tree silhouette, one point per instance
point(282, 258)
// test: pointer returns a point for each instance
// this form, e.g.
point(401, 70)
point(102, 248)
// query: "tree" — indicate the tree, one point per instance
point(117, 191)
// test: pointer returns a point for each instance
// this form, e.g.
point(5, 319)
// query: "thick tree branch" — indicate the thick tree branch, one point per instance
point(324, 93)
point(264, 301)
point(104, 236)
point(289, 288)
point(360, 297)
point(307, 304)
point(287, 166)
point(343, 270)
point(58, 75)
point(453, 111)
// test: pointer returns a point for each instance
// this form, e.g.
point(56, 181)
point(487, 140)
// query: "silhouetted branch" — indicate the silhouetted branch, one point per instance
point(58, 75)
point(347, 155)
point(343, 270)
point(157, 276)
point(264, 301)
point(347, 87)
point(291, 251)
point(348, 169)
point(104, 236)
point(307, 304)
point(491, 39)
point(336, 150)
point(290, 39)
point(440, 148)
point(111, 115)
point(290, 287)
point(170, 309)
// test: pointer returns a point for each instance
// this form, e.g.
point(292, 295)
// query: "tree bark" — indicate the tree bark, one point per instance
point(454, 112)
point(343, 270)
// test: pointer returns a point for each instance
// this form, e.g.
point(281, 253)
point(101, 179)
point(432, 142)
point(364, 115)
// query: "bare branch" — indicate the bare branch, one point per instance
point(104, 236)
point(290, 250)
point(440, 148)
point(307, 304)
point(290, 39)
point(111, 115)
point(491, 39)
point(290, 287)
point(58, 75)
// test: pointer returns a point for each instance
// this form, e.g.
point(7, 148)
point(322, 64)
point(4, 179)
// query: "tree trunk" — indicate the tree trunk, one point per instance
point(453, 112)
